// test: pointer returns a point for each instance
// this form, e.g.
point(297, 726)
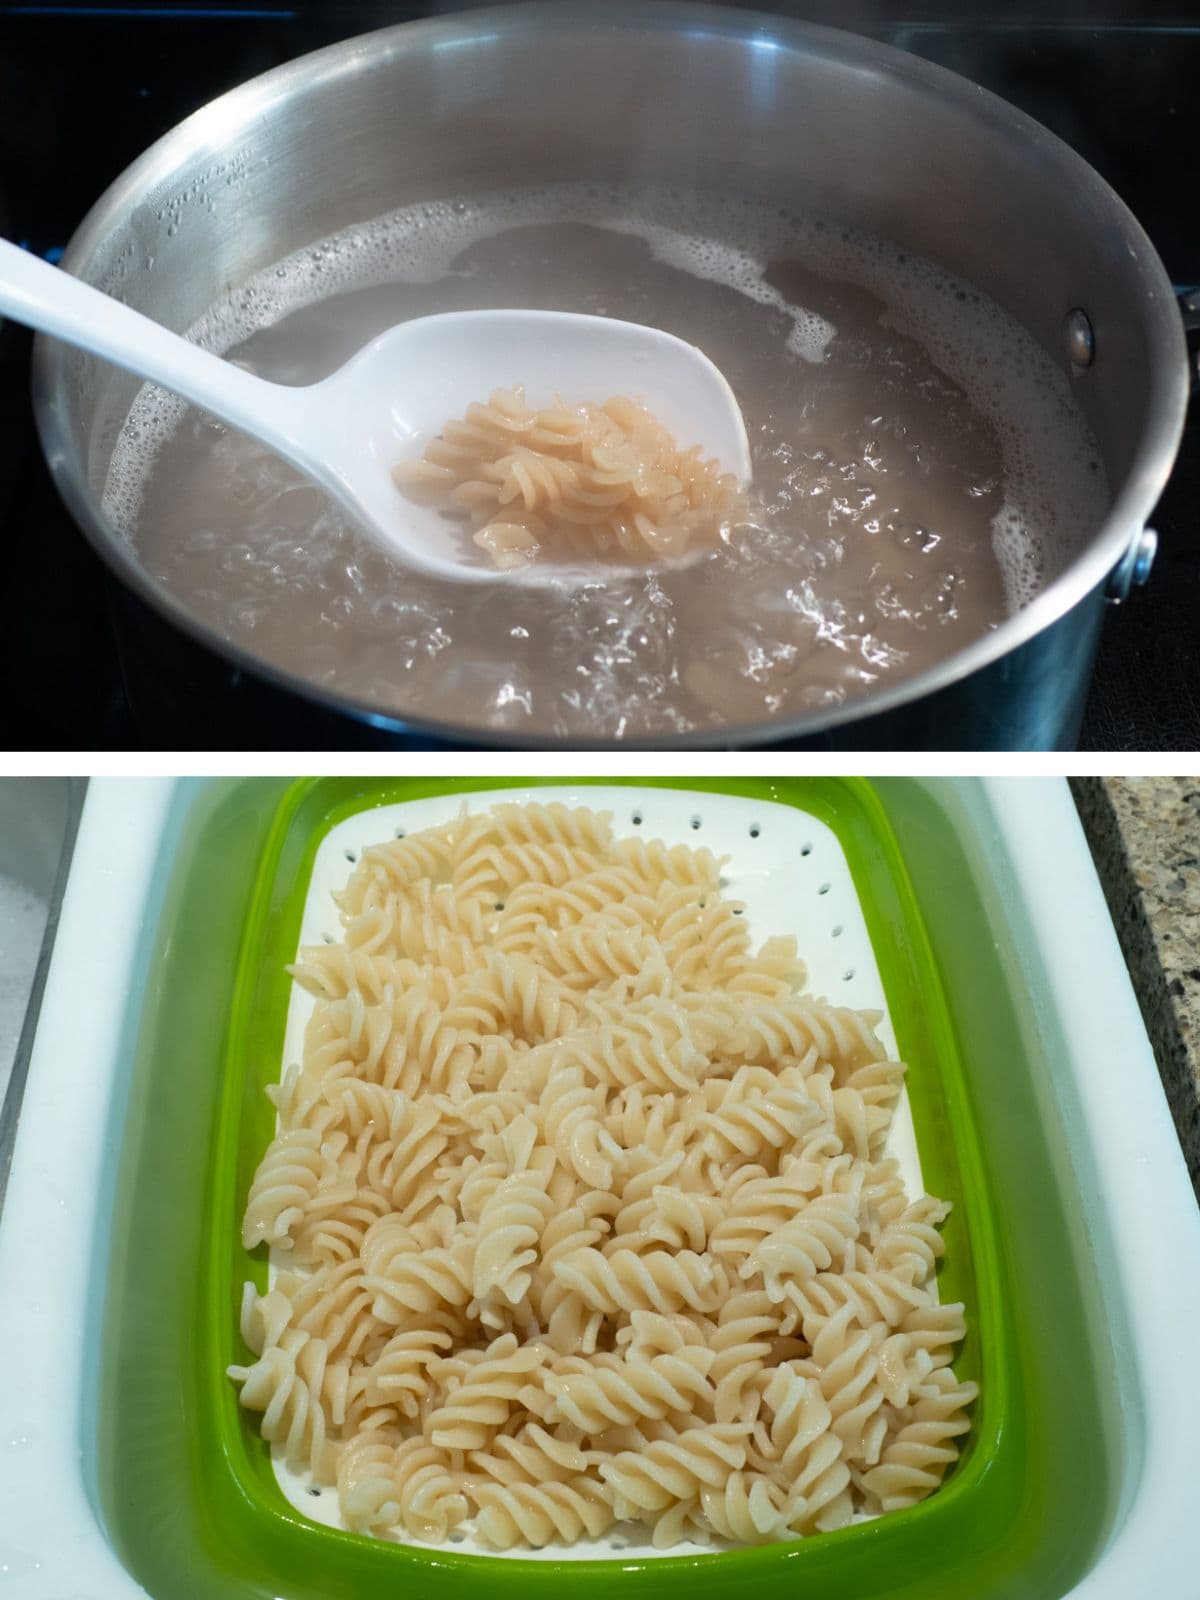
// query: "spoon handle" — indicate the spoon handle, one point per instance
point(44, 297)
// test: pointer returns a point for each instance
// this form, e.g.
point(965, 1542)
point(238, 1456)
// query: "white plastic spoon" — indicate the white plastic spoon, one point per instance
point(387, 402)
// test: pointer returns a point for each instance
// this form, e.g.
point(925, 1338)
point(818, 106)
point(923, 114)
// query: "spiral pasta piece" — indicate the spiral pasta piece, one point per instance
point(848, 1360)
point(595, 952)
point(654, 1049)
point(481, 1403)
point(540, 1514)
point(395, 865)
point(603, 1393)
point(755, 1031)
point(656, 1281)
point(533, 1455)
point(406, 1280)
point(812, 1242)
point(668, 1216)
point(760, 1122)
point(509, 1228)
point(571, 1120)
point(913, 1463)
point(741, 1343)
point(431, 1500)
point(875, 1298)
point(286, 1180)
point(399, 1374)
point(748, 1507)
point(807, 1456)
point(670, 1470)
point(368, 1493)
point(286, 1384)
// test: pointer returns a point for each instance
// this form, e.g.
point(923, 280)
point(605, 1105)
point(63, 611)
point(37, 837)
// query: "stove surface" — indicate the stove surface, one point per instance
point(84, 88)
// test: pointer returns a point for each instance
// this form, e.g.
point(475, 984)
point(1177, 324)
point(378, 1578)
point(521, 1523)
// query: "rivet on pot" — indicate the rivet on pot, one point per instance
point(1081, 341)
point(1134, 566)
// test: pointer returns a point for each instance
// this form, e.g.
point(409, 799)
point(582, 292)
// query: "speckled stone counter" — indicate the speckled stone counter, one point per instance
point(1144, 835)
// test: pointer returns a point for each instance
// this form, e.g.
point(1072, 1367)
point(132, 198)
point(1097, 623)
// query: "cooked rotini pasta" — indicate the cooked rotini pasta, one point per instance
point(580, 1213)
point(572, 481)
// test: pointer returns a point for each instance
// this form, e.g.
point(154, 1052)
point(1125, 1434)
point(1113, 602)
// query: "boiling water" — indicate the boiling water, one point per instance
point(919, 469)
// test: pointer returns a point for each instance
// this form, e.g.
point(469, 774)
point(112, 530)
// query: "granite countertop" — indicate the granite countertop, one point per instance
point(1144, 835)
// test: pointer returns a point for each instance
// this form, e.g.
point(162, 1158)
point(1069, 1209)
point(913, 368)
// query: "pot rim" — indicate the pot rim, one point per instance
point(212, 126)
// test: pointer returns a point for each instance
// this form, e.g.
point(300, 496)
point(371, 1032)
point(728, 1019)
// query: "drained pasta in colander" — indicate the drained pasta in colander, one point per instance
point(586, 1211)
point(572, 481)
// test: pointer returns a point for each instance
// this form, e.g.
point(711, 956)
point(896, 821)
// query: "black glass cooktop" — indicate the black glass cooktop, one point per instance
point(85, 87)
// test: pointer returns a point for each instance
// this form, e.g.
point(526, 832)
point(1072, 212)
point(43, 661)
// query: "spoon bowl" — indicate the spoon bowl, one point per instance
point(391, 399)
point(395, 395)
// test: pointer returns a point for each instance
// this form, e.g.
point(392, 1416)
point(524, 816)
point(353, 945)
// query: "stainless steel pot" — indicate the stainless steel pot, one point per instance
point(668, 93)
